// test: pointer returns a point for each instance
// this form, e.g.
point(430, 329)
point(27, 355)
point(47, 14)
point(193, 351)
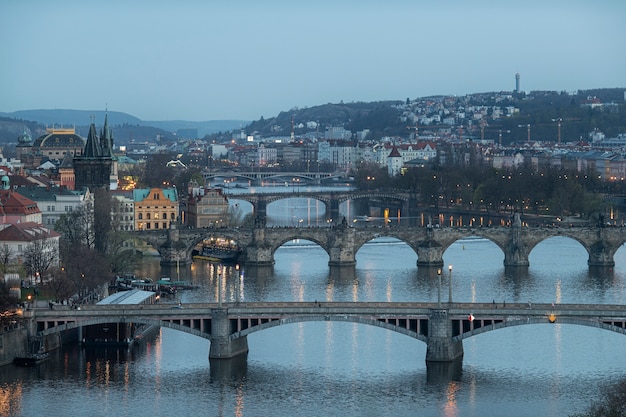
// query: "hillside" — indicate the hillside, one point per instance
point(540, 109)
point(125, 126)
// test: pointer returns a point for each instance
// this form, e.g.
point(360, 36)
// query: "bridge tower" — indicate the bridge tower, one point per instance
point(222, 346)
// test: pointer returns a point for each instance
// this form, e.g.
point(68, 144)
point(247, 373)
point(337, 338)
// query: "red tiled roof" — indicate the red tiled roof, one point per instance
point(13, 203)
point(26, 232)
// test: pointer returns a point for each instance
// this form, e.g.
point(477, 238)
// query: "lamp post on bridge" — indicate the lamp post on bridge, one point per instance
point(439, 288)
point(450, 284)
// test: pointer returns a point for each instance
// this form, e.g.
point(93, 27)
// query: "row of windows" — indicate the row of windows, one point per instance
point(156, 207)
point(156, 216)
point(155, 225)
point(53, 208)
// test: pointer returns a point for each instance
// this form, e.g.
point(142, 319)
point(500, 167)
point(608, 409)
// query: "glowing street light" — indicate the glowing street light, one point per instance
point(449, 283)
point(439, 287)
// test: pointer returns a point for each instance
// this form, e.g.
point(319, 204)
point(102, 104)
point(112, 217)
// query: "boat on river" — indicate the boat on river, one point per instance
point(30, 359)
point(217, 250)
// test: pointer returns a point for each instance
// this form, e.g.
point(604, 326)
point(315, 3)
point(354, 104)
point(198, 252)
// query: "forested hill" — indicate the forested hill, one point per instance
point(540, 109)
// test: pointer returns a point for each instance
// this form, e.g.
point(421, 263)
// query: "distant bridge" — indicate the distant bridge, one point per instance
point(256, 177)
point(442, 326)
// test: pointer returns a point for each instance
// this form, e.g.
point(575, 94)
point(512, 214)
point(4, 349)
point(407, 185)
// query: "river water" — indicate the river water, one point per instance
point(330, 368)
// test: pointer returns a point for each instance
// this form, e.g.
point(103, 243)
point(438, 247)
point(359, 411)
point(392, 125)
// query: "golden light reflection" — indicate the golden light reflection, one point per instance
point(10, 398)
point(239, 400)
point(451, 408)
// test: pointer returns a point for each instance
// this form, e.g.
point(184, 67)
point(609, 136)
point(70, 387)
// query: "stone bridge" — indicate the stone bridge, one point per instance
point(342, 242)
point(406, 202)
point(256, 177)
point(442, 326)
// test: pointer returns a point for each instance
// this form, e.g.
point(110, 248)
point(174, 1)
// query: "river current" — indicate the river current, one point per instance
point(332, 368)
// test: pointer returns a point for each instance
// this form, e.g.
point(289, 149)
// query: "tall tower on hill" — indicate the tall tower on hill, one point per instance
point(517, 77)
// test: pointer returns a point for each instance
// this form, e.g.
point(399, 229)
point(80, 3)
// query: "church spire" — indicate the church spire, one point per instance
point(106, 138)
point(92, 147)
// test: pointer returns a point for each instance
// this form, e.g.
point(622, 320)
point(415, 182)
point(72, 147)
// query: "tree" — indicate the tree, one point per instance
point(6, 257)
point(40, 255)
point(76, 227)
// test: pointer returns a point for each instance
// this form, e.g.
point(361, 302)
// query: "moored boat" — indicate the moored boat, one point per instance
point(218, 250)
point(30, 359)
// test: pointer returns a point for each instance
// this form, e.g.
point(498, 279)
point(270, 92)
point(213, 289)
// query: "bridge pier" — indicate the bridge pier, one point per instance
point(259, 253)
point(222, 345)
point(342, 246)
point(601, 254)
point(440, 346)
point(174, 251)
point(516, 252)
point(430, 252)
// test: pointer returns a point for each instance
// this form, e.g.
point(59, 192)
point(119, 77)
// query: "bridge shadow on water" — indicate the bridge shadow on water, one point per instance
point(225, 370)
point(444, 372)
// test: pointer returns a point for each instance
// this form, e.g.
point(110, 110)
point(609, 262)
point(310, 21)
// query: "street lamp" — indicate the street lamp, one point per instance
point(219, 288)
point(449, 283)
point(439, 288)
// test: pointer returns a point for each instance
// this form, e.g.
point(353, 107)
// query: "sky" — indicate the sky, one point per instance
point(245, 59)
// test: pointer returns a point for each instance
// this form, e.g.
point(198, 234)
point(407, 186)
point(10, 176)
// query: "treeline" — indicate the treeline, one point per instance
point(552, 192)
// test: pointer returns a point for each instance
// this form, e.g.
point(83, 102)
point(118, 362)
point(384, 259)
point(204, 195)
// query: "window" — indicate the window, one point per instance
point(148, 216)
point(140, 216)
point(147, 225)
point(173, 216)
point(164, 225)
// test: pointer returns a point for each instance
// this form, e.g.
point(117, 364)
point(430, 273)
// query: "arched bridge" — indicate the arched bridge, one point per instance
point(441, 326)
point(342, 242)
point(407, 202)
point(256, 177)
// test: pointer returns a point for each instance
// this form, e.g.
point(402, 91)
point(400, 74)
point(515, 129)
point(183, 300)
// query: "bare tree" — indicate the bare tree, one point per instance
point(77, 227)
point(6, 257)
point(40, 255)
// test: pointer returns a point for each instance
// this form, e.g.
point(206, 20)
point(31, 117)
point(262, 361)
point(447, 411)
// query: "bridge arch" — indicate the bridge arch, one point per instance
point(362, 242)
point(540, 320)
point(120, 319)
point(280, 243)
point(326, 318)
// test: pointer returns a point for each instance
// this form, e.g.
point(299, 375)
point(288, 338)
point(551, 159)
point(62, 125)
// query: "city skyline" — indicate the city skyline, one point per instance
point(244, 60)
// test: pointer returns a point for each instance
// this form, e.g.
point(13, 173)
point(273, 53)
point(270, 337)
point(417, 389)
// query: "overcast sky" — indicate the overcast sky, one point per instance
point(243, 59)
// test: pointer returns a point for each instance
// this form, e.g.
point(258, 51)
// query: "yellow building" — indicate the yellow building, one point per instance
point(155, 208)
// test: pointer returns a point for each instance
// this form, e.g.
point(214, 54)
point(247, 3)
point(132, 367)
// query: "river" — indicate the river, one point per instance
point(331, 368)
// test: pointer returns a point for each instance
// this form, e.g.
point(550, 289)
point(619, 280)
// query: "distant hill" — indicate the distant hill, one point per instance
point(68, 118)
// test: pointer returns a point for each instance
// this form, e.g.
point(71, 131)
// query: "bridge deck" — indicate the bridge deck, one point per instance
point(355, 308)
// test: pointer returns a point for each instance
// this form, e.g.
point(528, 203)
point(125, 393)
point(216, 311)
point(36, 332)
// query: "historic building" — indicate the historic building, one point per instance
point(53, 145)
point(53, 202)
point(155, 208)
point(14, 207)
point(17, 237)
point(206, 207)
